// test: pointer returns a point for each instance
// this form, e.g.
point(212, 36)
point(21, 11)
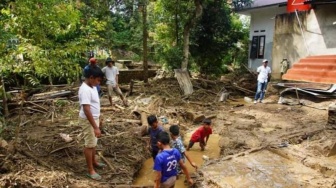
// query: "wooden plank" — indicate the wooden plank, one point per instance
point(184, 81)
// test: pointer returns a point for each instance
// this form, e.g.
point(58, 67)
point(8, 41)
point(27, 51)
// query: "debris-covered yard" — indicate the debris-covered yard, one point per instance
point(261, 145)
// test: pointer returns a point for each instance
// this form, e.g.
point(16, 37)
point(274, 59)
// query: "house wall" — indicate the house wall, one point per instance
point(319, 27)
point(264, 19)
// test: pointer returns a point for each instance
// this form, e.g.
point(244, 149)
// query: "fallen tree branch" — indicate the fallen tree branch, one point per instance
point(31, 156)
point(63, 147)
point(106, 161)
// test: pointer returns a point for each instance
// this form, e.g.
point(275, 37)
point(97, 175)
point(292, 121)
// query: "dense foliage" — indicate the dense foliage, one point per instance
point(47, 40)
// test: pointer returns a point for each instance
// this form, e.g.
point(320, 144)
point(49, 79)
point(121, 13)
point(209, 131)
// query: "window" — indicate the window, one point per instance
point(258, 47)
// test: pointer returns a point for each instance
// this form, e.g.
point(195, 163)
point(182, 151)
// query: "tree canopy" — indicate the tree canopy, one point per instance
point(53, 36)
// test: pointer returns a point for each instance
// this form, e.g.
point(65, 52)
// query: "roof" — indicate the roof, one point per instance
point(317, 69)
point(262, 3)
point(243, 5)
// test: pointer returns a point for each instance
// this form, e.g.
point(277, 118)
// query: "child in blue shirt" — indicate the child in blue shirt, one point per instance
point(153, 132)
point(166, 162)
point(178, 144)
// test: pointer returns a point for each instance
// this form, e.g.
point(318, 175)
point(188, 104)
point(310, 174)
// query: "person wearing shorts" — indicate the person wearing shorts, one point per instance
point(89, 118)
point(166, 162)
point(153, 132)
point(201, 135)
point(111, 73)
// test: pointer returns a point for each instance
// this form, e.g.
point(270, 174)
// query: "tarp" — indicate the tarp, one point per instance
point(299, 5)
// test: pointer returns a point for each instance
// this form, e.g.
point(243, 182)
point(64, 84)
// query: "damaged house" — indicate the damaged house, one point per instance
point(298, 32)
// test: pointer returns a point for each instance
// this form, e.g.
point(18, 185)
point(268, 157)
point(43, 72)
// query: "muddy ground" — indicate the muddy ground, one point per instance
point(35, 155)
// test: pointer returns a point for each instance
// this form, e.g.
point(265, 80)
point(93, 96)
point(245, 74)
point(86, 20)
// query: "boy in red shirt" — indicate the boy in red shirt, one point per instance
point(201, 135)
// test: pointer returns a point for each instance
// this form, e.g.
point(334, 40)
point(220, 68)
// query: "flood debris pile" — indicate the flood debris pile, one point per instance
point(45, 146)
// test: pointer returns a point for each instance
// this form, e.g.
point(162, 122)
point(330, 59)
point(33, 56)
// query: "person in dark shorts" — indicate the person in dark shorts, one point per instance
point(201, 135)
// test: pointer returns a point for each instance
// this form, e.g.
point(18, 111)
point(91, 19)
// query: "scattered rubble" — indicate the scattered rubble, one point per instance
point(42, 143)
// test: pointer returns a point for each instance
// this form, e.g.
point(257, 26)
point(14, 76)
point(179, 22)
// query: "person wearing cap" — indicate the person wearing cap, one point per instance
point(92, 63)
point(201, 135)
point(264, 76)
point(111, 73)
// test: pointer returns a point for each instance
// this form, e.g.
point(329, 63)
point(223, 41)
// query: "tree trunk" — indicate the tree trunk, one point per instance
point(144, 22)
point(186, 32)
point(176, 22)
point(5, 106)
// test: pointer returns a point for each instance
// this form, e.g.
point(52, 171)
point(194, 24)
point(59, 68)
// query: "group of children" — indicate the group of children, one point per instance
point(169, 153)
point(168, 161)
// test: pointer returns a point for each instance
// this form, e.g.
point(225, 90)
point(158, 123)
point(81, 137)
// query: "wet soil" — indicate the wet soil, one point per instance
point(296, 137)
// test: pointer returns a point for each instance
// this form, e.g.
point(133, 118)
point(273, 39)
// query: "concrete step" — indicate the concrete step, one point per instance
point(318, 60)
point(319, 66)
point(312, 72)
point(318, 69)
point(322, 56)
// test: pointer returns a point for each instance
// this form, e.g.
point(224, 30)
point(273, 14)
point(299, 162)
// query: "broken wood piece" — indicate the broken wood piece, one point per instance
point(213, 116)
point(184, 81)
point(207, 81)
point(137, 121)
point(106, 161)
point(44, 122)
point(208, 91)
point(130, 92)
point(72, 144)
point(190, 116)
point(144, 119)
point(36, 110)
point(224, 96)
point(144, 123)
point(120, 107)
point(242, 89)
point(199, 103)
point(30, 102)
point(51, 94)
point(199, 118)
point(31, 156)
point(104, 109)
point(332, 150)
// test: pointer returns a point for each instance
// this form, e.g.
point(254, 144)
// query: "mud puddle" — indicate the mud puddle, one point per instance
point(212, 150)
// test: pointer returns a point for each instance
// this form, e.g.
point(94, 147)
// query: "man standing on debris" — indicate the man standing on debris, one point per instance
point(111, 73)
point(89, 118)
point(166, 162)
point(264, 76)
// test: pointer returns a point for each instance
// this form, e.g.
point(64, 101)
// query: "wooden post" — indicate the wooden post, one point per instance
point(131, 88)
point(144, 22)
point(144, 123)
point(5, 106)
point(332, 114)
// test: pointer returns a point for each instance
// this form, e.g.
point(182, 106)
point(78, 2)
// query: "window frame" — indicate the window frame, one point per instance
point(257, 50)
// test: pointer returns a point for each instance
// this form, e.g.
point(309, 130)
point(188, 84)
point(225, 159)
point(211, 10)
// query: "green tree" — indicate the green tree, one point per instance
point(216, 38)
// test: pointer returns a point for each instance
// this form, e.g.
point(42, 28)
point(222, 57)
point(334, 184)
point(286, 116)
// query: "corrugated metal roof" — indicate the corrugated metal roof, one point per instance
point(317, 69)
point(262, 3)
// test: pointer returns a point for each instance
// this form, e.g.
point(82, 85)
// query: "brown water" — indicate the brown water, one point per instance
point(212, 150)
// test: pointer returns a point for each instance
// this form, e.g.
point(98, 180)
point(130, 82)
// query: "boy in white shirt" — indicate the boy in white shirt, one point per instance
point(264, 76)
point(111, 73)
point(89, 118)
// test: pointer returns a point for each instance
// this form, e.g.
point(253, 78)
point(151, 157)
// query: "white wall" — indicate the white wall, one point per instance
point(319, 27)
point(264, 19)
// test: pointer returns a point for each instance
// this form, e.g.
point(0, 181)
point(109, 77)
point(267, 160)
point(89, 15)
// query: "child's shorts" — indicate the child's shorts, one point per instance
point(110, 90)
point(170, 182)
point(90, 139)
